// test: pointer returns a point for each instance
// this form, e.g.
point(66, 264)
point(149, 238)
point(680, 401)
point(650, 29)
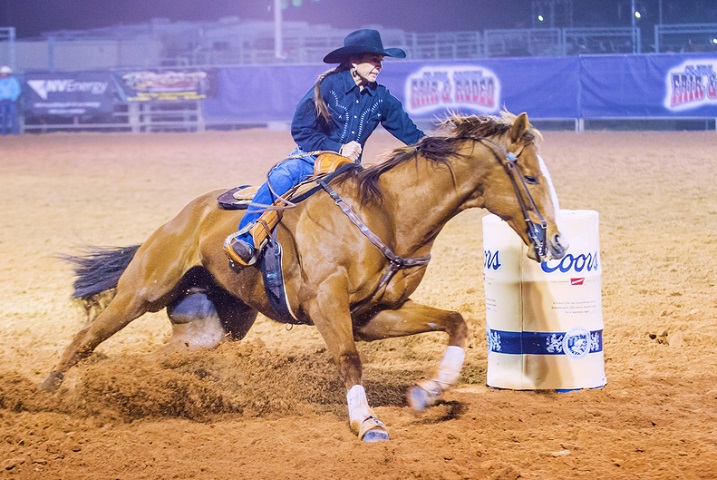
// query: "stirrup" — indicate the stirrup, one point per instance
point(229, 250)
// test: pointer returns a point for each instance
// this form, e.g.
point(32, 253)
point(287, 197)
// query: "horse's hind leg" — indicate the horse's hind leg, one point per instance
point(146, 285)
point(195, 323)
point(125, 307)
point(206, 316)
point(413, 318)
point(203, 314)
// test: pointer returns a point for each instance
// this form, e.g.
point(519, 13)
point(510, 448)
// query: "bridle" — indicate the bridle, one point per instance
point(536, 232)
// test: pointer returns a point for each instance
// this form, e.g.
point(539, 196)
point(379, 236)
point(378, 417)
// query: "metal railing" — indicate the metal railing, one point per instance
point(231, 42)
point(585, 41)
point(691, 37)
point(7, 43)
point(531, 42)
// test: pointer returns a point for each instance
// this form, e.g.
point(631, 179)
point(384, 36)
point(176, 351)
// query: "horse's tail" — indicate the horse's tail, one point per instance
point(97, 273)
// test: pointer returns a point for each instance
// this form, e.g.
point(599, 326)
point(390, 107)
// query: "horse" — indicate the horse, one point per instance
point(352, 282)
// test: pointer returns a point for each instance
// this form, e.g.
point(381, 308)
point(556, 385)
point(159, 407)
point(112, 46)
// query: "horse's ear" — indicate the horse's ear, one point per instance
point(519, 128)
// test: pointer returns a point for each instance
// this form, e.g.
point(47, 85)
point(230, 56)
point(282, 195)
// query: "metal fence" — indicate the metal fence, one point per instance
point(694, 37)
point(231, 42)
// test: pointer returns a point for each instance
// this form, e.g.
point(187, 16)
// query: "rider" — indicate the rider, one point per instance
point(338, 114)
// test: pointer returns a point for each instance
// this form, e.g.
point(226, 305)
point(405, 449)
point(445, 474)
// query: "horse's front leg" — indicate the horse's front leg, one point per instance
point(333, 320)
point(412, 318)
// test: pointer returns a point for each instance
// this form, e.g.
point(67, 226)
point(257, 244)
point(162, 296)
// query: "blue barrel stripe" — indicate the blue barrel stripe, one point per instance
point(575, 343)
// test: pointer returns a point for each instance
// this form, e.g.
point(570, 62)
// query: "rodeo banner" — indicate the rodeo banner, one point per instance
point(68, 94)
point(166, 86)
point(692, 84)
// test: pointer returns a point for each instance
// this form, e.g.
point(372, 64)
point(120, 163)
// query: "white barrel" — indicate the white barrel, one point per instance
point(544, 320)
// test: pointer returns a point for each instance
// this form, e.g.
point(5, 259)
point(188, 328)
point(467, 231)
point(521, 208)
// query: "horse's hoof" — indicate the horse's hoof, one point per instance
point(52, 382)
point(373, 430)
point(376, 435)
point(423, 395)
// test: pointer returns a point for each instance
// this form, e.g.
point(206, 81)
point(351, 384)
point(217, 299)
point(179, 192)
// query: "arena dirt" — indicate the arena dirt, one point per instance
point(272, 407)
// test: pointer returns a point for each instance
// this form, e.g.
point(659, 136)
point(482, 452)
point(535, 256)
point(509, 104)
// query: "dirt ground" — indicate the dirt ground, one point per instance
point(271, 406)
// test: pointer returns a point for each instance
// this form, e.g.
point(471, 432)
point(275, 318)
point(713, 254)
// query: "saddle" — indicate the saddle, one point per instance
point(240, 198)
point(271, 253)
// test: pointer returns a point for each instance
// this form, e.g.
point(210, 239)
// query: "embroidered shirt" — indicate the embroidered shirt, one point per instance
point(355, 114)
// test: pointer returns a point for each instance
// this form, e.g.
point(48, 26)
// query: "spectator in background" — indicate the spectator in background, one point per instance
point(689, 47)
point(10, 91)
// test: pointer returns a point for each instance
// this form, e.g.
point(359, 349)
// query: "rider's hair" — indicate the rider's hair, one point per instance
point(322, 110)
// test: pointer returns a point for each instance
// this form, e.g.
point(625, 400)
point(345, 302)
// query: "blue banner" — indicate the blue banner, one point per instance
point(430, 90)
point(590, 87)
point(649, 86)
point(427, 90)
point(260, 94)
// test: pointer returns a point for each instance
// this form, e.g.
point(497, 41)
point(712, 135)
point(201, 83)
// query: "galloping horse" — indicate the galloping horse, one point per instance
point(351, 283)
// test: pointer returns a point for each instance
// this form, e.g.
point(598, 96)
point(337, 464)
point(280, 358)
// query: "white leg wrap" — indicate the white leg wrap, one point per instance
point(358, 406)
point(450, 367)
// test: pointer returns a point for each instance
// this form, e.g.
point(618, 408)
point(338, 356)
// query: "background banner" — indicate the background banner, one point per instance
point(68, 94)
point(589, 87)
point(649, 86)
point(428, 90)
point(164, 85)
point(260, 94)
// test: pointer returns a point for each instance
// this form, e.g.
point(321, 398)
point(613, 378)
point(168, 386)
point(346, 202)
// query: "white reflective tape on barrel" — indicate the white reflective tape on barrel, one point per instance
point(544, 321)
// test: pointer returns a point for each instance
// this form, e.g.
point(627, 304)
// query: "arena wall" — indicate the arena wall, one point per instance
point(655, 86)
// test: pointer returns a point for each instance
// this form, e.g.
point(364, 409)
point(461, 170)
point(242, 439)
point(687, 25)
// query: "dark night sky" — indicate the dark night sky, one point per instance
point(32, 17)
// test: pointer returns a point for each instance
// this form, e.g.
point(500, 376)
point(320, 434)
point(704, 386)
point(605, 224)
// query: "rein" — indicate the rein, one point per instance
point(395, 263)
point(536, 232)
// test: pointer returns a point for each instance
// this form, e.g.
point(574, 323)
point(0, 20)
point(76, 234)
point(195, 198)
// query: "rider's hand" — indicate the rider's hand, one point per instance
point(351, 150)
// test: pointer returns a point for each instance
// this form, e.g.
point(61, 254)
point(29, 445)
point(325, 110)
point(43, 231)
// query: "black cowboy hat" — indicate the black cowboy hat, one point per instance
point(360, 42)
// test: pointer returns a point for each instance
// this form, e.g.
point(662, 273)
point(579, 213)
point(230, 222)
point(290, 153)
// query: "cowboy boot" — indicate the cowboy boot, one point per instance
point(239, 250)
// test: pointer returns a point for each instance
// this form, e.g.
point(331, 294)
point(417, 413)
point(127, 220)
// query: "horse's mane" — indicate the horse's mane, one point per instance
point(438, 148)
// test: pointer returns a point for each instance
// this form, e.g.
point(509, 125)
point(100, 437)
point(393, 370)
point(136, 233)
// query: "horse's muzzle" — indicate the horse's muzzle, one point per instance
point(557, 247)
point(553, 249)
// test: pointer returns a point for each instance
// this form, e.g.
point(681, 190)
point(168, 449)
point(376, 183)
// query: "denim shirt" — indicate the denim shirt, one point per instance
point(355, 114)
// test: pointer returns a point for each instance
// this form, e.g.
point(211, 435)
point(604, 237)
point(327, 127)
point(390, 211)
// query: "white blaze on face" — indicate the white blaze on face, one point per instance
point(553, 194)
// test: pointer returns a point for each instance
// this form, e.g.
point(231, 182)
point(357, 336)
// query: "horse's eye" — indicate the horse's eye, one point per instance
point(531, 180)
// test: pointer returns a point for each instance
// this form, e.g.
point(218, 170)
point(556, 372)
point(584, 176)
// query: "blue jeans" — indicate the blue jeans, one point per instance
point(8, 115)
point(282, 177)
